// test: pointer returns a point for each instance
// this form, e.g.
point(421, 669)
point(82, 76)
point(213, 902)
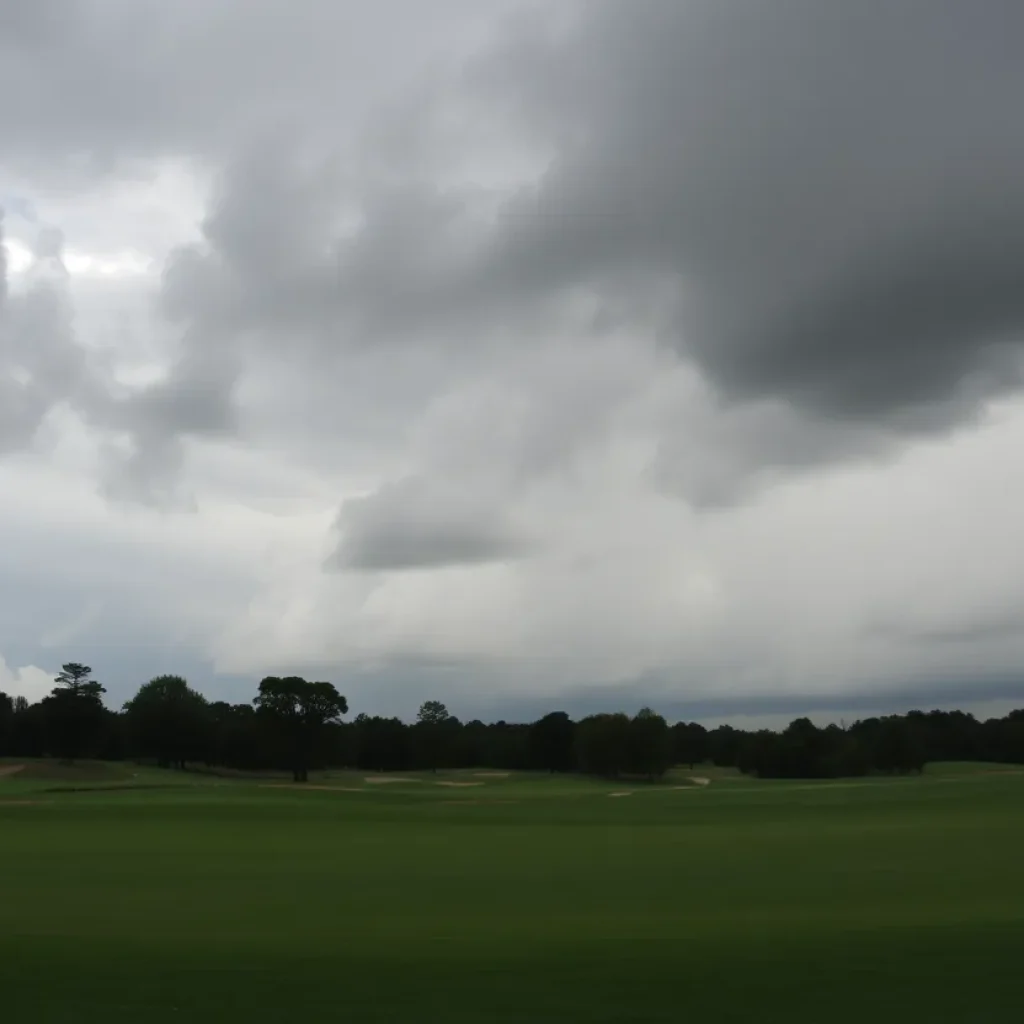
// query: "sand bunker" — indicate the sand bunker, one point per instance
point(377, 780)
point(700, 780)
point(10, 769)
point(460, 785)
point(492, 775)
point(620, 794)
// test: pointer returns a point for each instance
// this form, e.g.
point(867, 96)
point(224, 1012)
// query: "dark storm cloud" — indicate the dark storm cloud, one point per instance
point(835, 190)
point(411, 525)
point(818, 204)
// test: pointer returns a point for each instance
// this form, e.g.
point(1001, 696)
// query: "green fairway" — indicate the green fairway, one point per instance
point(520, 898)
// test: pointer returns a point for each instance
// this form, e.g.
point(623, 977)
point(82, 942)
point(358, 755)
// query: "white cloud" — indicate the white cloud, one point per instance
point(29, 681)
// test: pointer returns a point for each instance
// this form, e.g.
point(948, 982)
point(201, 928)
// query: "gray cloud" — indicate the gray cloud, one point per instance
point(44, 365)
point(773, 709)
point(820, 209)
point(105, 85)
point(817, 208)
point(412, 524)
point(41, 364)
point(695, 245)
point(836, 192)
point(32, 22)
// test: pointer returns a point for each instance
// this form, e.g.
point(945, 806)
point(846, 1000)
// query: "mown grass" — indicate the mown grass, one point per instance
point(524, 898)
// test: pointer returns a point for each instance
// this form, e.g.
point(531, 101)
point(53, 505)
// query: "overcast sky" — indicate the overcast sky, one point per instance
point(522, 355)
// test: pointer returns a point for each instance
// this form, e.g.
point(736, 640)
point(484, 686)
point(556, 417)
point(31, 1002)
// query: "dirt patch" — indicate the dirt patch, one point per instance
point(620, 794)
point(459, 785)
point(376, 780)
point(492, 775)
point(10, 769)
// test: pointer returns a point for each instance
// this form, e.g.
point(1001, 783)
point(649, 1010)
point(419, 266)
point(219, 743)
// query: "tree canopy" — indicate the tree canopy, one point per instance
point(74, 711)
point(298, 711)
point(298, 725)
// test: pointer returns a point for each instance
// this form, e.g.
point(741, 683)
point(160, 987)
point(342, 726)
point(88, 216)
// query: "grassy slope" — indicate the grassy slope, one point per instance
point(413, 902)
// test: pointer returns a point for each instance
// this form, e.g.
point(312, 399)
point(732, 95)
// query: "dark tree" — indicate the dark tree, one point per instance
point(724, 745)
point(6, 723)
point(27, 737)
point(74, 711)
point(603, 744)
point(298, 711)
point(899, 746)
point(689, 743)
point(238, 737)
point(435, 728)
point(650, 744)
point(551, 742)
point(167, 720)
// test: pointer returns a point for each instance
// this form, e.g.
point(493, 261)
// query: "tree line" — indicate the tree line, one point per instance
point(296, 725)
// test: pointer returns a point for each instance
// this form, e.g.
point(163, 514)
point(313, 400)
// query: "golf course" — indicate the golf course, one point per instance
point(131, 894)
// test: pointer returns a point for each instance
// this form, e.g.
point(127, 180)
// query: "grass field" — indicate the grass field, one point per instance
point(513, 899)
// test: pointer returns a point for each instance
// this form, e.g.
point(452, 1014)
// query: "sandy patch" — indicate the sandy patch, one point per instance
point(699, 780)
point(11, 769)
point(492, 775)
point(377, 780)
point(306, 785)
point(478, 803)
point(620, 794)
point(459, 785)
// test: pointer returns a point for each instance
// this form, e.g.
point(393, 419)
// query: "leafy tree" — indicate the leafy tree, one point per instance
point(689, 743)
point(603, 744)
point(27, 730)
point(74, 711)
point(899, 746)
point(299, 711)
point(650, 744)
point(168, 720)
point(235, 737)
point(724, 744)
point(6, 722)
point(432, 712)
point(76, 680)
point(381, 744)
point(551, 742)
point(435, 728)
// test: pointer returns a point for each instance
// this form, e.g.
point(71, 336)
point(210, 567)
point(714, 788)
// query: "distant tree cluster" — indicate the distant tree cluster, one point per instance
point(296, 725)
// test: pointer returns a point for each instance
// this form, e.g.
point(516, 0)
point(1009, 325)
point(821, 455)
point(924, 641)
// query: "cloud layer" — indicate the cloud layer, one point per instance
point(668, 350)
